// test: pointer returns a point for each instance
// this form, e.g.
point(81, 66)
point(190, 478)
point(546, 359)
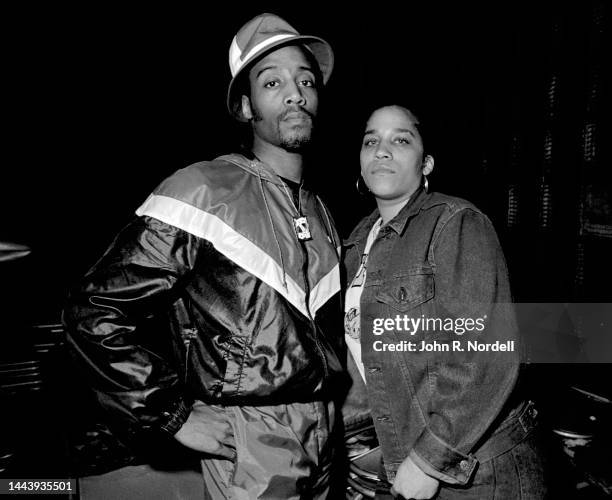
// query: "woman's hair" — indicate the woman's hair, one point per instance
point(426, 137)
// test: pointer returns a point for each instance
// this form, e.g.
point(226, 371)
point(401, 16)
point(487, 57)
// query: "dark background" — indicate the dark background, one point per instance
point(104, 102)
point(101, 103)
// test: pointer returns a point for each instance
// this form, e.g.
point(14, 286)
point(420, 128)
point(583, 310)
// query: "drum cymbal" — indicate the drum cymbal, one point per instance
point(12, 251)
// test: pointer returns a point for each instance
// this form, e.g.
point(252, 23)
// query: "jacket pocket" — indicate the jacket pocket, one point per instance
point(407, 289)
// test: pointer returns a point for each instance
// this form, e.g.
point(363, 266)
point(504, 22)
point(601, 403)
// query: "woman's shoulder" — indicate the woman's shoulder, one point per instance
point(452, 210)
point(461, 216)
point(454, 204)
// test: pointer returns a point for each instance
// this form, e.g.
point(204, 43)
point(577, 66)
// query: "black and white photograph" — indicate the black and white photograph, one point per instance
point(307, 251)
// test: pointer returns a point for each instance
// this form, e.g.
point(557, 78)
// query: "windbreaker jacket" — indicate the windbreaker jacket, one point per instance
point(438, 259)
point(208, 295)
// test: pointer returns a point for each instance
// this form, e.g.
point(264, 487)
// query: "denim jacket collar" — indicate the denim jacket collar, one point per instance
point(398, 223)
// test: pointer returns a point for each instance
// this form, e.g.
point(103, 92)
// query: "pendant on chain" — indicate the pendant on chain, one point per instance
point(302, 230)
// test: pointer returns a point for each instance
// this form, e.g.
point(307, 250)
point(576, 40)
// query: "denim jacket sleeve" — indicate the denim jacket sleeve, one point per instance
point(111, 335)
point(467, 394)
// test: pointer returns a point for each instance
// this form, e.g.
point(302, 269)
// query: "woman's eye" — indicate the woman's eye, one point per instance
point(271, 84)
point(307, 83)
point(369, 142)
point(403, 140)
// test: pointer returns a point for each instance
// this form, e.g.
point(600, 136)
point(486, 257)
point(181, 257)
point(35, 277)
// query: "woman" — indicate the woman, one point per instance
point(428, 276)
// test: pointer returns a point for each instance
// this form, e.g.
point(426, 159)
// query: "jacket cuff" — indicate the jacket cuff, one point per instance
point(440, 460)
point(174, 418)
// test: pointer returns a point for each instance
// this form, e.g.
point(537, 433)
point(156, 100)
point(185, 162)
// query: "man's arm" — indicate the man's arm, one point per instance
point(108, 321)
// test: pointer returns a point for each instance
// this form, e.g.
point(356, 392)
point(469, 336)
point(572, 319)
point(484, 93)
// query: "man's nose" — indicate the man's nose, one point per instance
point(294, 95)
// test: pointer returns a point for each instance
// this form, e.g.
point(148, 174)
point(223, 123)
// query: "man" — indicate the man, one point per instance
point(241, 261)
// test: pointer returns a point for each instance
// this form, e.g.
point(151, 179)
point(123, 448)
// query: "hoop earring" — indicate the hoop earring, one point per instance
point(425, 183)
point(358, 187)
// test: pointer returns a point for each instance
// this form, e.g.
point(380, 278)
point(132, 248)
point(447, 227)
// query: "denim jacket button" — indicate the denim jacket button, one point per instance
point(464, 465)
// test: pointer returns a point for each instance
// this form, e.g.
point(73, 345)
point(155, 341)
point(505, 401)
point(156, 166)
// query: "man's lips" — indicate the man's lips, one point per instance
point(296, 116)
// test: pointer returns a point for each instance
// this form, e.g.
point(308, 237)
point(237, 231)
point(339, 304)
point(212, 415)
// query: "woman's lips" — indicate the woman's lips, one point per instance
point(382, 170)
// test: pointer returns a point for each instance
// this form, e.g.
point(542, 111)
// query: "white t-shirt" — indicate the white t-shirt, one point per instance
point(352, 315)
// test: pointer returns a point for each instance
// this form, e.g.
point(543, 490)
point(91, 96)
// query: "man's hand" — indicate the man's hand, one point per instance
point(412, 482)
point(207, 430)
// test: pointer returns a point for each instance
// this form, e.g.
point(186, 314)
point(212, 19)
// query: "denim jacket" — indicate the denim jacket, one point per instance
point(438, 258)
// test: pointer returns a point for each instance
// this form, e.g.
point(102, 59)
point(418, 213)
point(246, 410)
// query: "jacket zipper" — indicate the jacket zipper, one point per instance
point(312, 321)
point(306, 284)
point(188, 335)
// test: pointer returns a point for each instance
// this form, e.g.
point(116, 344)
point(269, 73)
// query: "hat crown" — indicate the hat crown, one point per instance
point(261, 28)
point(255, 35)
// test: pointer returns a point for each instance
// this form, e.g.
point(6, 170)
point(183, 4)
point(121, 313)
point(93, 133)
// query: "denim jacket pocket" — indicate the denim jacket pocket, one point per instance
point(408, 288)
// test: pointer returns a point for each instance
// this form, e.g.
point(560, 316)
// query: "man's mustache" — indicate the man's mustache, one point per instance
point(257, 116)
point(295, 110)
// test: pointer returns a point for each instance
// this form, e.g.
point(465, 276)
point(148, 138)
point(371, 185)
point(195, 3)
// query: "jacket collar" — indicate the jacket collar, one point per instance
point(254, 167)
point(260, 169)
point(362, 229)
point(398, 223)
point(414, 205)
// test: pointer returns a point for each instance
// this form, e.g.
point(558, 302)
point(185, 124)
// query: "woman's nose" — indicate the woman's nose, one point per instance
point(382, 152)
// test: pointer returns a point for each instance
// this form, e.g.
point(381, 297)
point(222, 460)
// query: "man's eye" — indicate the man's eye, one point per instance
point(307, 83)
point(403, 140)
point(369, 142)
point(271, 84)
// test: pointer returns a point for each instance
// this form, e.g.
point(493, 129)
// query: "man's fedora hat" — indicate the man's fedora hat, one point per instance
point(257, 37)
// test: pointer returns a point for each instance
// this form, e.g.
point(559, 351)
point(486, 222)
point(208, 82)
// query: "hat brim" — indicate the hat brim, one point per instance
point(321, 50)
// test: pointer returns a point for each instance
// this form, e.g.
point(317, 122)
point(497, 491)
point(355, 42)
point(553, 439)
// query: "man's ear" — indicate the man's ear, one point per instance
point(428, 164)
point(245, 105)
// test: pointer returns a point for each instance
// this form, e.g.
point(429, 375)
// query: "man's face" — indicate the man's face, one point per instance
point(392, 154)
point(284, 98)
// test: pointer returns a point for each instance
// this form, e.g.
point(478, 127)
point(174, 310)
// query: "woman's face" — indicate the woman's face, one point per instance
point(392, 154)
